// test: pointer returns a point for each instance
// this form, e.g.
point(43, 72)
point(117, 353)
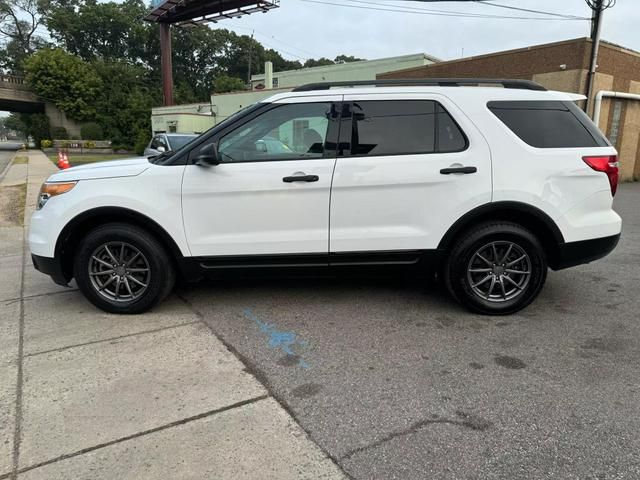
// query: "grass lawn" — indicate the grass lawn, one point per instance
point(76, 159)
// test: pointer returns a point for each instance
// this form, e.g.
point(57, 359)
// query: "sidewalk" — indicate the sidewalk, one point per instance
point(87, 395)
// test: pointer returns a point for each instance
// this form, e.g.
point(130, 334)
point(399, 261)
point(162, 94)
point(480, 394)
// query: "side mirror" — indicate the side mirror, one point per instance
point(208, 156)
point(161, 149)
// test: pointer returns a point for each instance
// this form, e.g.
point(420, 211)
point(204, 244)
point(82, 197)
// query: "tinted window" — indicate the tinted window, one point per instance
point(396, 127)
point(179, 141)
point(548, 124)
point(450, 138)
point(282, 133)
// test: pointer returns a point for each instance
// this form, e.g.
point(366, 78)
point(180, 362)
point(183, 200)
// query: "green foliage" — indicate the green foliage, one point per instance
point(347, 59)
point(106, 30)
point(16, 122)
point(142, 140)
point(89, 144)
point(66, 80)
point(59, 133)
point(125, 102)
point(46, 143)
point(35, 125)
point(225, 83)
point(320, 62)
point(91, 131)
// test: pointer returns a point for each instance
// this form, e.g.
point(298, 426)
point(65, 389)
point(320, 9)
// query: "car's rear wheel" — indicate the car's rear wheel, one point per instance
point(121, 268)
point(496, 268)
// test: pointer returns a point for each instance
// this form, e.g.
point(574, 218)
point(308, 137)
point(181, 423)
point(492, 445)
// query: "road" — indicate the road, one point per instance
point(7, 150)
point(395, 380)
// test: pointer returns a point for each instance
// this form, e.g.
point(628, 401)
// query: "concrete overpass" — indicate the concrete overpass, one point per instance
point(16, 96)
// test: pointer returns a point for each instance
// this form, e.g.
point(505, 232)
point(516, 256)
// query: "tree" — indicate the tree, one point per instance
point(347, 59)
point(225, 83)
point(19, 20)
point(71, 84)
point(125, 101)
point(15, 122)
point(320, 62)
point(109, 31)
point(35, 125)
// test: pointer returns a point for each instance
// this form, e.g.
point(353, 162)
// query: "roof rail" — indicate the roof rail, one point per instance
point(430, 82)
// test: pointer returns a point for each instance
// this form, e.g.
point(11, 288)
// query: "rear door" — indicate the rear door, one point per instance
point(408, 167)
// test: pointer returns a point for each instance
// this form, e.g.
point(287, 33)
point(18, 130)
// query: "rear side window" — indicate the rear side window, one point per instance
point(403, 127)
point(549, 124)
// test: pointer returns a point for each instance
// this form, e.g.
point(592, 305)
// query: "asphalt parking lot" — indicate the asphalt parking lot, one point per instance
point(394, 380)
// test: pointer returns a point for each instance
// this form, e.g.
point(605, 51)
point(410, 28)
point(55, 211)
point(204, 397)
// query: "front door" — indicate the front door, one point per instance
point(270, 194)
point(409, 167)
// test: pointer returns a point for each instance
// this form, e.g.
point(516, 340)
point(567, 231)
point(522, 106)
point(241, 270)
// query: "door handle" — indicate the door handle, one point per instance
point(301, 178)
point(465, 170)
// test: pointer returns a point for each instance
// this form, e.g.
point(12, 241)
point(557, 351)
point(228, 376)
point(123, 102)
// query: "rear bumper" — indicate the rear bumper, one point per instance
point(51, 267)
point(585, 251)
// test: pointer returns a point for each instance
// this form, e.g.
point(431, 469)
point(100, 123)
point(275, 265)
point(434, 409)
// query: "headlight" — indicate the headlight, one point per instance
point(49, 190)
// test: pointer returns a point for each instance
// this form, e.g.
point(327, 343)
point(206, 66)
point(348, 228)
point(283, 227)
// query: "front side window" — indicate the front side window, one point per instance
point(403, 127)
point(286, 132)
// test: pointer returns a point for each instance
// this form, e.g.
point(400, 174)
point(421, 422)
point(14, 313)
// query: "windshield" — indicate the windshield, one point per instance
point(179, 141)
point(164, 157)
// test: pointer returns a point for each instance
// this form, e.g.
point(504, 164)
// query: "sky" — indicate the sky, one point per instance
point(301, 29)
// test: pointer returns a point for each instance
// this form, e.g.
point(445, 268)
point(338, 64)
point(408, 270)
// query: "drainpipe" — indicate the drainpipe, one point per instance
point(605, 93)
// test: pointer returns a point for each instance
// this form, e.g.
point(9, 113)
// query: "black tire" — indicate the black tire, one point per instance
point(158, 277)
point(466, 260)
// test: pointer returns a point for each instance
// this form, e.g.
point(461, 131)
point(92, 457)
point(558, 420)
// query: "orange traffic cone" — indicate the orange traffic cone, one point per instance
point(60, 160)
point(65, 161)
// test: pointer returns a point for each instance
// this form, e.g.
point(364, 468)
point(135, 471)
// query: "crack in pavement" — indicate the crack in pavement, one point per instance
point(466, 420)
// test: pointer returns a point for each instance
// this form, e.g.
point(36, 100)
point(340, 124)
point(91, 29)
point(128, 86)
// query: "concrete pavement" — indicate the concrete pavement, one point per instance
point(87, 395)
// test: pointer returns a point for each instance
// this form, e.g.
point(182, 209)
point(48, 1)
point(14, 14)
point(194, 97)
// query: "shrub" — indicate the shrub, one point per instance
point(46, 143)
point(59, 133)
point(91, 131)
point(142, 140)
point(89, 144)
point(65, 144)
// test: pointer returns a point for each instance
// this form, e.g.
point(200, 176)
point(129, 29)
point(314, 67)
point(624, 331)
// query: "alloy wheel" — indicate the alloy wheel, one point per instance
point(119, 271)
point(499, 271)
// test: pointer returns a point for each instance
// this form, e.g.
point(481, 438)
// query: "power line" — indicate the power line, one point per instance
point(468, 14)
point(440, 13)
point(273, 38)
point(510, 7)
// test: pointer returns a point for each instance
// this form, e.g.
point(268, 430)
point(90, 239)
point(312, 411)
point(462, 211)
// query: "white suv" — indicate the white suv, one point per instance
point(485, 186)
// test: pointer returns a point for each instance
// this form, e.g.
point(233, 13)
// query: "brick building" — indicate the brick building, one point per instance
point(564, 66)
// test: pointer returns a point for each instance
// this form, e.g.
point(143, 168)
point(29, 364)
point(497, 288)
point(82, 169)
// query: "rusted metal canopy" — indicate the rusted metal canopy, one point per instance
point(187, 13)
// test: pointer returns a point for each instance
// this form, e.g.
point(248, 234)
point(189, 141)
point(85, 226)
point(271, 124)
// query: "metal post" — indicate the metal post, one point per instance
point(595, 45)
point(166, 66)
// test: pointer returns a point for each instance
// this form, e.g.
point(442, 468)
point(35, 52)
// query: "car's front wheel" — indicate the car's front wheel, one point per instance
point(496, 268)
point(121, 268)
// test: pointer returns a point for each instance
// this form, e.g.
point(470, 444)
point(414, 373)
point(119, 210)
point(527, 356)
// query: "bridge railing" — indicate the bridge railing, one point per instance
point(12, 81)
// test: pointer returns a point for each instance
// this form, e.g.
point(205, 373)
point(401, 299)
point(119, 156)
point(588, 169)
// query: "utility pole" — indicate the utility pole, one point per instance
point(249, 86)
point(596, 30)
point(166, 66)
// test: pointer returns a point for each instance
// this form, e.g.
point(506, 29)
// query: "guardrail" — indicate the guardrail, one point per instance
point(13, 81)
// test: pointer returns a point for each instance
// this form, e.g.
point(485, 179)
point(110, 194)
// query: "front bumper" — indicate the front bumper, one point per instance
point(585, 251)
point(51, 267)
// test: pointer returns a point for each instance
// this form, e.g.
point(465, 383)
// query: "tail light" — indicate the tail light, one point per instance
point(607, 164)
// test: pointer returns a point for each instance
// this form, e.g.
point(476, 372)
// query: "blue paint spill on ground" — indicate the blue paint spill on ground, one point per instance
point(285, 341)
